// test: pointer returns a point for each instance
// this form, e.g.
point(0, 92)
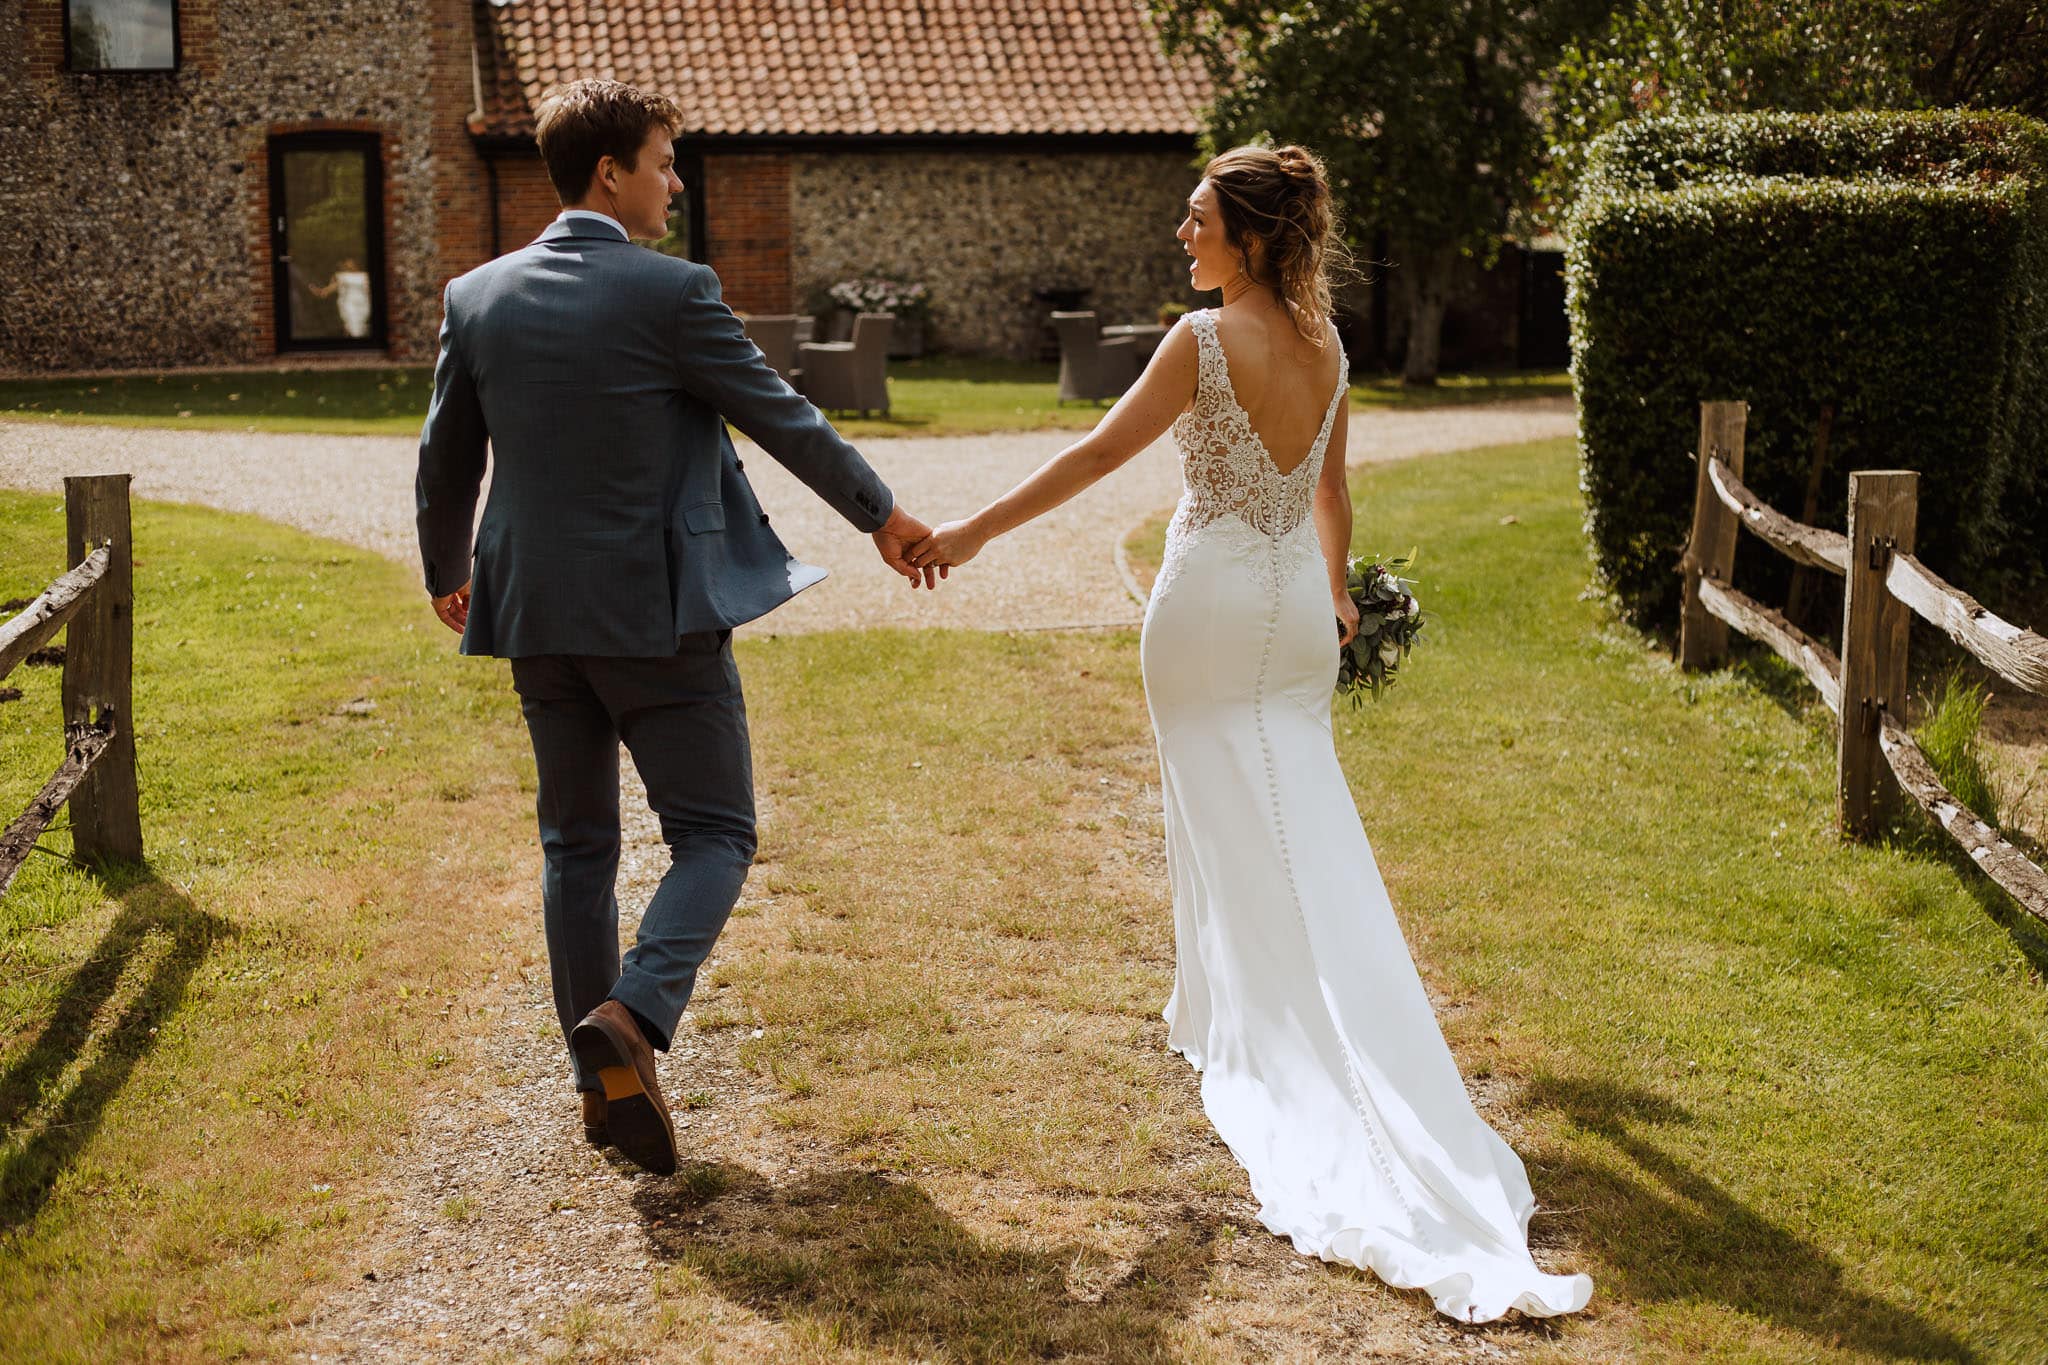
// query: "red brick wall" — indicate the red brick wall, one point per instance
point(746, 230)
point(462, 211)
point(526, 201)
point(746, 212)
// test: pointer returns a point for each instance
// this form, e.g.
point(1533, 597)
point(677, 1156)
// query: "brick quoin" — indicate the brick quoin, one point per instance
point(746, 230)
point(462, 225)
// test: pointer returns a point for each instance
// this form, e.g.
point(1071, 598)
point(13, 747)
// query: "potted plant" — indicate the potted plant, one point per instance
point(1170, 313)
point(909, 303)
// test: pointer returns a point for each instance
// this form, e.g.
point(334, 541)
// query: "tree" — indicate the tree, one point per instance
point(1426, 112)
point(1658, 57)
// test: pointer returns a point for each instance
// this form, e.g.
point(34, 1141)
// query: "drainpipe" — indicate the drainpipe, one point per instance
point(475, 120)
point(491, 179)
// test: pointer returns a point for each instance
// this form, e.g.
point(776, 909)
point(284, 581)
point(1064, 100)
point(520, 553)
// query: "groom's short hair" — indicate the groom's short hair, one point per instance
point(580, 122)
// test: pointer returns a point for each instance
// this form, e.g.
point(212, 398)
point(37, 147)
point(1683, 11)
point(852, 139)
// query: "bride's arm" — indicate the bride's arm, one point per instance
point(1333, 520)
point(1139, 418)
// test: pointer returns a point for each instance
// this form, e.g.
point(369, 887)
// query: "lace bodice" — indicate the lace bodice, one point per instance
point(1231, 481)
point(1227, 467)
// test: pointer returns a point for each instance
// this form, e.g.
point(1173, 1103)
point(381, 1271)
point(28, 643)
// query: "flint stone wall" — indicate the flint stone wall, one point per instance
point(984, 228)
point(132, 206)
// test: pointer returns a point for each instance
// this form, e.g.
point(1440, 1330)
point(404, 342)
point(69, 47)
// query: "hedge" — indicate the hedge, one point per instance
point(1894, 266)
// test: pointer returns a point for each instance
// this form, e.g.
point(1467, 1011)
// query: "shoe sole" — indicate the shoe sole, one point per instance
point(633, 1122)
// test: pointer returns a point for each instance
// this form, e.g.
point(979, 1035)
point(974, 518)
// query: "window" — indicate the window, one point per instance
point(121, 35)
point(327, 239)
point(686, 211)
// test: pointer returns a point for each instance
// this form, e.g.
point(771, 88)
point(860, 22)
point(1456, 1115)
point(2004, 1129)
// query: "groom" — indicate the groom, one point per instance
point(619, 547)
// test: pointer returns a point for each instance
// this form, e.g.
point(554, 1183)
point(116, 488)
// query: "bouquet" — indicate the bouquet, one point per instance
point(904, 299)
point(1389, 619)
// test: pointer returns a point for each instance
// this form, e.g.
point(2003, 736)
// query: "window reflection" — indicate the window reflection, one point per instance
point(122, 35)
point(327, 244)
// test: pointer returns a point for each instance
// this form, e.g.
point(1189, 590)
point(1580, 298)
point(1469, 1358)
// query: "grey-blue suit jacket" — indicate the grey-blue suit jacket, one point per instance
point(602, 375)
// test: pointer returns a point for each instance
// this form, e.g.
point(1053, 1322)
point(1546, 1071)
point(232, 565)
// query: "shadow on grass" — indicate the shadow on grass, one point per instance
point(1669, 1233)
point(158, 931)
point(1770, 677)
point(872, 1259)
point(1913, 831)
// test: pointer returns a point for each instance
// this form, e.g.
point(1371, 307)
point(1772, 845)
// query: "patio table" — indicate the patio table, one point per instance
point(1147, 336)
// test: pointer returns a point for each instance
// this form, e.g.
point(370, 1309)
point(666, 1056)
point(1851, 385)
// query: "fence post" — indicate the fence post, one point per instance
point(99, 665)
point(1710, 550)
point(1883, 511)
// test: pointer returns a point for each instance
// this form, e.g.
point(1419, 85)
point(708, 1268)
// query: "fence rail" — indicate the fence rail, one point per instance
point(2013, 652)
point(1794, 539)
point(1794, 645)
point(1884, 584)
point(46, 615)
point(95, 601)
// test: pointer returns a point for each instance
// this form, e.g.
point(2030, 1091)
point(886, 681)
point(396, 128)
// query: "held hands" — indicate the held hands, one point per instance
point(454, 609)
point(952, 544)
point(893, 542)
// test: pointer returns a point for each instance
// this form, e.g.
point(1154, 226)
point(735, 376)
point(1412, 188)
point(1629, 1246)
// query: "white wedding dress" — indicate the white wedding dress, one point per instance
point(1322, 1064)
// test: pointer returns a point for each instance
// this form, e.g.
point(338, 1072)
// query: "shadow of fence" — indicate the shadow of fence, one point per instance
point(158, 936)
point(1668, 1233)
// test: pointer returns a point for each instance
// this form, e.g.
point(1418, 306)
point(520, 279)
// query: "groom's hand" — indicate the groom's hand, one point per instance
point(894, 540)
point(454, 609)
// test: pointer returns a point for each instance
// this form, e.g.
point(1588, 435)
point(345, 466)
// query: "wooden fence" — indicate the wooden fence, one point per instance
point(97, 599)
point(1883, 584)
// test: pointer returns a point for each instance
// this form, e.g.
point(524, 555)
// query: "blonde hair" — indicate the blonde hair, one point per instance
point(1279, 199)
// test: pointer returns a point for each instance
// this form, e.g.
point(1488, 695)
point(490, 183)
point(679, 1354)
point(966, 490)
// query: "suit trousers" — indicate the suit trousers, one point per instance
point(684, 722)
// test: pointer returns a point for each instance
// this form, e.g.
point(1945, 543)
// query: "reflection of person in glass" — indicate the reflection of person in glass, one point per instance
point(352, 284)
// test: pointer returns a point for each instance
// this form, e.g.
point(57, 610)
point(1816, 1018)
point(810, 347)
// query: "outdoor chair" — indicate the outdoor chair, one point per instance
point(850, 375)
point(776, 335)
point(1090, 367)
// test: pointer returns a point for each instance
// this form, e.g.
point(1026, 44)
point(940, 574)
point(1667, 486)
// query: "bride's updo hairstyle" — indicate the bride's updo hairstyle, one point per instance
point(1277, 199)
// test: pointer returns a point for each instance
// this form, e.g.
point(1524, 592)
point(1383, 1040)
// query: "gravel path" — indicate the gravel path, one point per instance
point(1058, 571)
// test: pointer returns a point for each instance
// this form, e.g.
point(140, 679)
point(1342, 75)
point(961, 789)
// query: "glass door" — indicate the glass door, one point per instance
point(327, 240)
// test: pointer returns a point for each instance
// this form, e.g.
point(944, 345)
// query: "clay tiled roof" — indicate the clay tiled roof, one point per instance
point(836, 67)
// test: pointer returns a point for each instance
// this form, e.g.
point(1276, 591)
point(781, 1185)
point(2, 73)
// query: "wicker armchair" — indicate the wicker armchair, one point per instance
point(1090, 367)
point(777, 335)
point(850, 375)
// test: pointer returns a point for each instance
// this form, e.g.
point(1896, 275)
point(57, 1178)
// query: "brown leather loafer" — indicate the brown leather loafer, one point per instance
point(610, 1044)
point(594, 1118)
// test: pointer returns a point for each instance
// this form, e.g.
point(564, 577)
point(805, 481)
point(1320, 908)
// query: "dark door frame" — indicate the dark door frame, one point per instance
point(371, 145)
point(690, 170)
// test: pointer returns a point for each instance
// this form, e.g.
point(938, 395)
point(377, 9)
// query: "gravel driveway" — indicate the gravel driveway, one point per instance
point(1058, 571)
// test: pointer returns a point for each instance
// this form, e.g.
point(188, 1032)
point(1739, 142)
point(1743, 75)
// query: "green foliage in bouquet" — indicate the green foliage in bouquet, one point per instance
point(1389, 620)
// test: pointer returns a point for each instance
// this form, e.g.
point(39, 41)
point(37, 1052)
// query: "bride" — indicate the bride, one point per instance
point(1322, 1064)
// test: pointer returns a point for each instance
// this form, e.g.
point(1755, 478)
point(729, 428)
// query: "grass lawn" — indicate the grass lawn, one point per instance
point(1781, 1097)
point(199, 1061)
point(938, 396)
